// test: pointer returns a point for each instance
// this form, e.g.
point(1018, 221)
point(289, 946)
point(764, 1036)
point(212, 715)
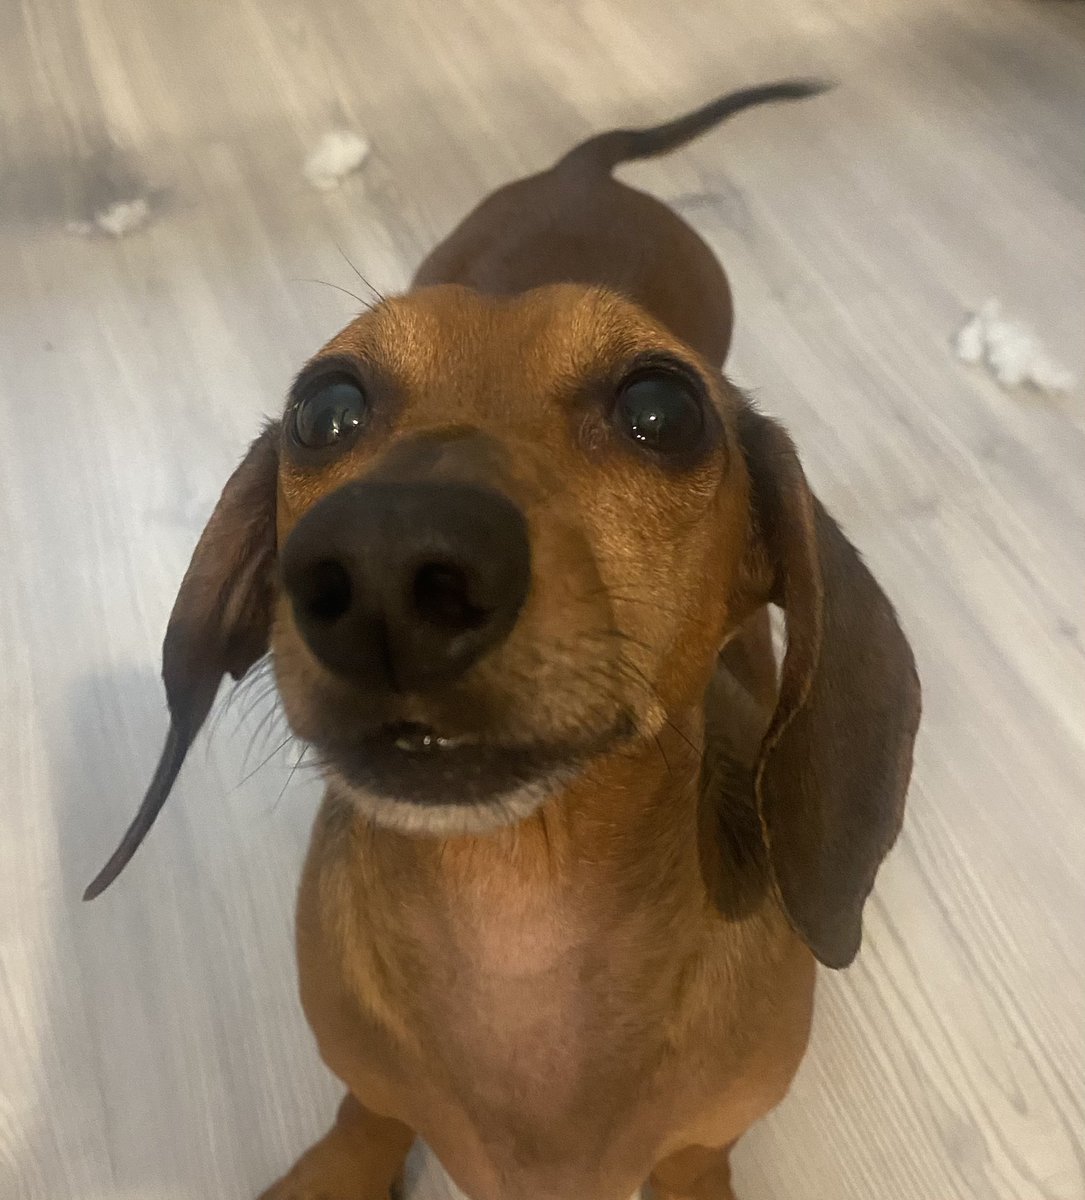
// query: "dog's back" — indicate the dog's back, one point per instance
point(576, 223)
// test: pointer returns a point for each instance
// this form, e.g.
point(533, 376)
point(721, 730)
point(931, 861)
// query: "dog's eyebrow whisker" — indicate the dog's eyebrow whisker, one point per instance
point(367, 305)
point(376, 291)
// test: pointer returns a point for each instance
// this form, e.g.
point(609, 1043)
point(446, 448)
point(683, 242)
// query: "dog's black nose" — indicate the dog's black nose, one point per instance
point(406, 585)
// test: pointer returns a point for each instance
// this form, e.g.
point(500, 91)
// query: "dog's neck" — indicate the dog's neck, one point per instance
point(616, 844)
point(628, 843)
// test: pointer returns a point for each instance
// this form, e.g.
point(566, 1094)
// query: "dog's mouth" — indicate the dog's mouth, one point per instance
point(407, 761)
point(412, 737)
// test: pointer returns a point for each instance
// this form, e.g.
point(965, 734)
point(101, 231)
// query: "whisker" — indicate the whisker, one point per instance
point(263, 763)
point(254, 702)
point(624, 670)
point(264, 726)
point(293, 769)
point(376, 291)
point(621, 598)
point(648, 684)
point(681, 733)
point(241, 688)
point(366, 304)
point(622, 636)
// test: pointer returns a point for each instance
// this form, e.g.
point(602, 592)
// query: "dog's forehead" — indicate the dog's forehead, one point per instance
point(450, 336)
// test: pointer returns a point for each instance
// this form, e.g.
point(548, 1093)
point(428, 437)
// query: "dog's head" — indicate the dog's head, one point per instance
point(492, 539)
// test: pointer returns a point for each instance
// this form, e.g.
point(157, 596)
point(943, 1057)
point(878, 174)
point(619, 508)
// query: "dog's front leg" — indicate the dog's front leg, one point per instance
point(360, 1158)
point(693, 1174)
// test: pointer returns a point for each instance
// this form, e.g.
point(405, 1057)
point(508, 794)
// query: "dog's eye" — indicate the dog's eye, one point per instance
point(661, 411)
point(329, 412)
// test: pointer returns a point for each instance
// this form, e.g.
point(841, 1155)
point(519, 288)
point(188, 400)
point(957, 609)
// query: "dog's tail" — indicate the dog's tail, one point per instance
point(606, 150)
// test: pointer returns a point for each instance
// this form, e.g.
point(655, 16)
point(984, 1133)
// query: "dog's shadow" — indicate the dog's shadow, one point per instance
point(176, 1038)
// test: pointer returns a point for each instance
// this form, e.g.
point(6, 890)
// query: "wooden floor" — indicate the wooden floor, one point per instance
point(151, 1045)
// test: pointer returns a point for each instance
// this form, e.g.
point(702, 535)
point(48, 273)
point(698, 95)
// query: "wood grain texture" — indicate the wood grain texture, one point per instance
point(151, 1044)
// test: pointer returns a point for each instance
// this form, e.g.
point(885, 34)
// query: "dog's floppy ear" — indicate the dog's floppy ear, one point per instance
point(220, 623)
point(835, 762)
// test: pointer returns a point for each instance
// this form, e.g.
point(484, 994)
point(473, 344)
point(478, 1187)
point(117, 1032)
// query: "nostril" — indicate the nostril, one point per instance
point(326, 593)
point(441, 596)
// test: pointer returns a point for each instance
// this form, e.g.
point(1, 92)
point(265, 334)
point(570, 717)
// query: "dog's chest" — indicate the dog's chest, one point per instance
point(531, 1002)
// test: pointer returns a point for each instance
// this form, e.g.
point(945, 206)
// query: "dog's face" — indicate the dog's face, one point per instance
point(509, 534)
point(492, 539)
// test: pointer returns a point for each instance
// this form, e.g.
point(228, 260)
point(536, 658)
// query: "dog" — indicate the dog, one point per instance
point(511, 548)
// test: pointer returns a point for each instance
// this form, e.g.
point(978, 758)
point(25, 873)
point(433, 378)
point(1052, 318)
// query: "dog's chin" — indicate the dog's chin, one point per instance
point(408, 778)
point(449, 819)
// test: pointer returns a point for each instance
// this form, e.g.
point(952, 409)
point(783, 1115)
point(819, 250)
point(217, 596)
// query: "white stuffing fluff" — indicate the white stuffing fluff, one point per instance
point(1010, 351)
point(336, 155)
point(120, 218)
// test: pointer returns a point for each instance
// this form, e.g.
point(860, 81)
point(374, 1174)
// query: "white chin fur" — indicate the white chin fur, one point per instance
point(447, 820)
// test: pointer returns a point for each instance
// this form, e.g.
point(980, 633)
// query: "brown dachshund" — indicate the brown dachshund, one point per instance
point(511, 548)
